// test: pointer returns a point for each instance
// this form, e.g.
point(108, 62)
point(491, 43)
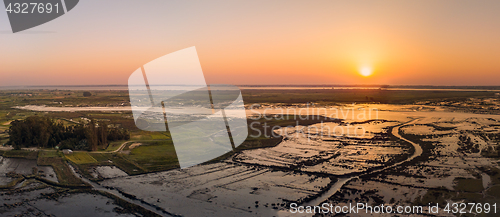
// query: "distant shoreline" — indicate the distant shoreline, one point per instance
point(264, 87)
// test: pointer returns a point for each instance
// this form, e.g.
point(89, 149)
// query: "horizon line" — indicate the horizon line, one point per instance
point(265, 85)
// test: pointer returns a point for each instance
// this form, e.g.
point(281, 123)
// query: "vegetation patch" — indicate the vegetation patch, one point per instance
point(118, 160)
point(113, 146)
point(144, 135)
point(49, 153)
point(80, 158)
point(154, 156)
point(31, 155)
point(469, 185)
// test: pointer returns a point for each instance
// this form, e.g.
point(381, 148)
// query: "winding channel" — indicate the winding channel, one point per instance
point(342, 181)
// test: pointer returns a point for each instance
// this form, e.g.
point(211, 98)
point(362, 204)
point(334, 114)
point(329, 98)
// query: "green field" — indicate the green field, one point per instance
point(49, 153)
point(113, 146)
point(118, 160)
point(80, 158)
point(154, 156)
point(32, 155)
point(144, 135)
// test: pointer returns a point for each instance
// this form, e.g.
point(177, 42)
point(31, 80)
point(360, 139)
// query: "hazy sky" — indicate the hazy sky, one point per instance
point(262, 42)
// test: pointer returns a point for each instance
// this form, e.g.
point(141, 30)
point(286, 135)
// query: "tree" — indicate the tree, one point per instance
point(40, 131)
point(34, 131)
point(87, 94)
point(91, 134)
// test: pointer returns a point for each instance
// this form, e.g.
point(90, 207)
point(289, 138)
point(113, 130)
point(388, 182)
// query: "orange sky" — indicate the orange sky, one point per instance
point(263, 42)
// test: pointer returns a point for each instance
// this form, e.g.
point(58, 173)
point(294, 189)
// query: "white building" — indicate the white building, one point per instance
point(67, 151)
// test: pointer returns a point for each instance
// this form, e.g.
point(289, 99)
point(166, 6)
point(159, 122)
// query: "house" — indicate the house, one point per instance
point(67, 151)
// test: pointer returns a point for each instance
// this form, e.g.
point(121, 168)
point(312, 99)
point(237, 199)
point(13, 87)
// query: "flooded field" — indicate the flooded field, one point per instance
point(222, 189)
point(24, 167)
point(39, 200)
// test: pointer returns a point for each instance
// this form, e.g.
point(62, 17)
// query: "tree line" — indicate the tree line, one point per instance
point(40, 131)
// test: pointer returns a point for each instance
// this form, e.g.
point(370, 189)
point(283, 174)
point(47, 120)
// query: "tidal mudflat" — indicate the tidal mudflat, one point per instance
point(401, 154)
point(457, 165)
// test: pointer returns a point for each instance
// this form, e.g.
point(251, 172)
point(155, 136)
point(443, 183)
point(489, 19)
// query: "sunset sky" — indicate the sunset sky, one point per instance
point(263, 42)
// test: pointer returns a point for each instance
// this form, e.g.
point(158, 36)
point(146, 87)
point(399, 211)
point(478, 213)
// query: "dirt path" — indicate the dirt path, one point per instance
point(117, 150)
point(122, 146)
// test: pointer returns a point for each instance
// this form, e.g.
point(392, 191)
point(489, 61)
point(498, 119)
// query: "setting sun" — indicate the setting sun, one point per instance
point(365, 71)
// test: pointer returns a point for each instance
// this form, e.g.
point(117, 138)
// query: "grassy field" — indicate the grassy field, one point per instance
point(113, 146)
point(154, 156)
point(118, 160)
point(32, 155)
point(143, 135)
point(151, 156)
point(49, 153)
point(80, 158)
